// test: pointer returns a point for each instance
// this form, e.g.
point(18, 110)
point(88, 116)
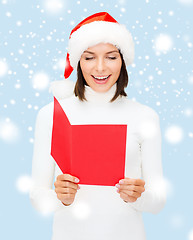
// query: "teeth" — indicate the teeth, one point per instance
point(101, 78)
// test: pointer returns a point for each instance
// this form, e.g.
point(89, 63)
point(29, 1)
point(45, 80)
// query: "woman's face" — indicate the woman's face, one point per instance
point(101, 66)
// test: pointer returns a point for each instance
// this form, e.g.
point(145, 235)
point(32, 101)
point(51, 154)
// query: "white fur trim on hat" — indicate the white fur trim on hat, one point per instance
point(62, 88)
point(100, 31)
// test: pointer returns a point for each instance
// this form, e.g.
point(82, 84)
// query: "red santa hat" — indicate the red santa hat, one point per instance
point(97, 28)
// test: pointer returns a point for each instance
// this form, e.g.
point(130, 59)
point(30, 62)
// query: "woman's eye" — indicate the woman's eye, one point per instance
point(112, 58)
point(88, 58)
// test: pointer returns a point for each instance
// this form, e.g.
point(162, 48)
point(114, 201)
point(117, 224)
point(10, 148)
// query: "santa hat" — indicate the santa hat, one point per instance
point(97, 28)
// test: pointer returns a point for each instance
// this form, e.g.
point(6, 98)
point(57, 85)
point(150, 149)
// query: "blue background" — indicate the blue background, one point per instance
point(170, 94)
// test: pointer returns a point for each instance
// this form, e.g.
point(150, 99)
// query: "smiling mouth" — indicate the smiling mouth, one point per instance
point(101, 78)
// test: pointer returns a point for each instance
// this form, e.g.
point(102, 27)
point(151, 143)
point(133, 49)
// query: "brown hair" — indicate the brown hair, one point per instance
point(122, 82)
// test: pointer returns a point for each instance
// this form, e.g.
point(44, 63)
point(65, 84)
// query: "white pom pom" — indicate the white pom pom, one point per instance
point(62, 88)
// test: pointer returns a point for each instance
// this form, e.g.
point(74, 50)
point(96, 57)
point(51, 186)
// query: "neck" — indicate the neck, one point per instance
point(99, 97)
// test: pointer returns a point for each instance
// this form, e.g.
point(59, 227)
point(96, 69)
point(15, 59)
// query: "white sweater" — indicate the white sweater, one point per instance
point(98, 212)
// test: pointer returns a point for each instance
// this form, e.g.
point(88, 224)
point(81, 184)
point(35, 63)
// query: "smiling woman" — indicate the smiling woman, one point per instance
point(99, 48)
point(100, 67)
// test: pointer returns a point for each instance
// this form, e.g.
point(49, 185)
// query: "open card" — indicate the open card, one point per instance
point(93, 153)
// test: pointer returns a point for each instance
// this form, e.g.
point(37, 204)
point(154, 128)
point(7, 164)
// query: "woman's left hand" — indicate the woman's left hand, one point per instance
point(130, 189)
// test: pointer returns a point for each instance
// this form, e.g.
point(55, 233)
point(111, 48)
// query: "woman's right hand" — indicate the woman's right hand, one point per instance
point(66, 188)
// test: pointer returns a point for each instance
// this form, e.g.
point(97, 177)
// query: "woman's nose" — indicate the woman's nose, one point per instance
point(100, 65)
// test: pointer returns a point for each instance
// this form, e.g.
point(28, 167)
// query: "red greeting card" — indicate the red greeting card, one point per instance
point(93, 153)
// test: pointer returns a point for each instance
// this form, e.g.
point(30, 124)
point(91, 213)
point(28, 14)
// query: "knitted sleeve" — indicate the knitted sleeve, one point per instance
point(154, 197)
point(42, 195)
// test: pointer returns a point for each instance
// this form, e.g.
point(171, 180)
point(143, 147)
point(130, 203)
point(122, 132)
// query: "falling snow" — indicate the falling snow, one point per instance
point(186, 2)
point(3, 68)
point(53, 6)
point(190, 235)
point(9, 131)
point(174, 134)
point(33, 54)
point(24, 184)
point(40, 81)
point(163, 43)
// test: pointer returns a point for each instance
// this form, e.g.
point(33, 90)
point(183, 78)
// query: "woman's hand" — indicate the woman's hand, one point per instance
point(130, 189)
point(66, 187)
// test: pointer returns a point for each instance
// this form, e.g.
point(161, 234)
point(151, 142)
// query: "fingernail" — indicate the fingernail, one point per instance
point(121, 182)
point(117, 190)
point(117, 185)
point(77, 180)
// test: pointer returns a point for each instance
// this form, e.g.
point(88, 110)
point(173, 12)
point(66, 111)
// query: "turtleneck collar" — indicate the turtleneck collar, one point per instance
point(99, 97)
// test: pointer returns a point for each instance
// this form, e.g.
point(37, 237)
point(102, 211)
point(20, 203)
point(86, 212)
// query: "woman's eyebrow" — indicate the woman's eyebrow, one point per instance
point(94, 53)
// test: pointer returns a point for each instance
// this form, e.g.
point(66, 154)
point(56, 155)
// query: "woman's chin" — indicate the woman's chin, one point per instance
point(101, 88)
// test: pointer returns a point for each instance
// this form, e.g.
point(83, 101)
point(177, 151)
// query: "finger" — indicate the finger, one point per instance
point(127, 198)
point(65, 190)
point(67, 184)
point(67, 196)
point(134, 188)
point(131, 193)
point(67, 177)
point(132, 181)
point(131, 199)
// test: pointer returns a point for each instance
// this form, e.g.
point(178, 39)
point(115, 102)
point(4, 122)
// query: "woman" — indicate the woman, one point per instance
point(100, 48)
